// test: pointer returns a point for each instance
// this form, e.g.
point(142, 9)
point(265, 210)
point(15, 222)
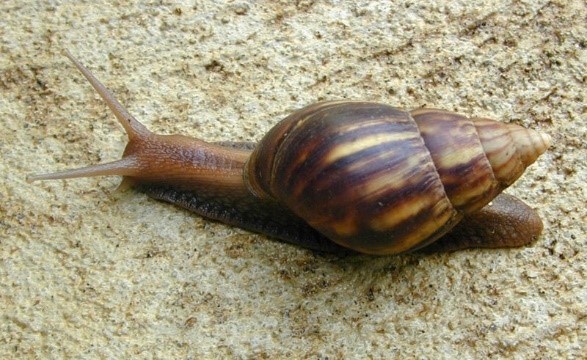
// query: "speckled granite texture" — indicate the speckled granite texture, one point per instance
point(88, 272)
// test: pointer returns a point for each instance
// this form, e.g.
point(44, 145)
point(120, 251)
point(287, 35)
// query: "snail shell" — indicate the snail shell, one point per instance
point(366, 176)
point(380, 180)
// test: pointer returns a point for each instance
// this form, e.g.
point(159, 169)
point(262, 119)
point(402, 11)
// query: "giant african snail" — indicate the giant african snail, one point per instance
point(361, 175)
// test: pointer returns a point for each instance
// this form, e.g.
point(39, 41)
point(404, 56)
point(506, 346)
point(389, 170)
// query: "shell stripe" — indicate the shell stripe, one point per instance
point(333, 131)
point(458, 156)
point(320, 149)
point(261, 166)
point(529, 144)
point(501, 151)
point(361, 169)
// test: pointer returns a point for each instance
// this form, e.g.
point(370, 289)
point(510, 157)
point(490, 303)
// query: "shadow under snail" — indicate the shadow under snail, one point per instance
point(343, 175)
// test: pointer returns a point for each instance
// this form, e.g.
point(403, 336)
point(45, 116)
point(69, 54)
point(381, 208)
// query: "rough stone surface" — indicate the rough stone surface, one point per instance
point(87, 272)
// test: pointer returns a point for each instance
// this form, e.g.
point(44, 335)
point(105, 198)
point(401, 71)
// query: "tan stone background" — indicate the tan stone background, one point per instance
point(86, 272)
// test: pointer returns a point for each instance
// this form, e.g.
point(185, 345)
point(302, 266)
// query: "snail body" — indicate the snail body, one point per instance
point(343, 175)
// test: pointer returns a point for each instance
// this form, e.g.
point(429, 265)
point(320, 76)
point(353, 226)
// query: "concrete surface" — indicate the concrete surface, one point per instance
point(87, 272)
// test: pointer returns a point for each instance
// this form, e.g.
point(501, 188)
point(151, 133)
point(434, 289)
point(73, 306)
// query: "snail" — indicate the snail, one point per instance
point(342, 175)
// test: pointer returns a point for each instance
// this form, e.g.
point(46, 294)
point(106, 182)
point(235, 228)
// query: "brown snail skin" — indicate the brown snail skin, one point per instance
point(343, 175)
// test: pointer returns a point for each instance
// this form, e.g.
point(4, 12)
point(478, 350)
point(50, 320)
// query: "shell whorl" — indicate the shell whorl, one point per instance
point(377, 179)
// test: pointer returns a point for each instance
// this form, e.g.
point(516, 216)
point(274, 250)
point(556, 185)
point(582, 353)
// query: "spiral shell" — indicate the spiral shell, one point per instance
point(381, 180)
